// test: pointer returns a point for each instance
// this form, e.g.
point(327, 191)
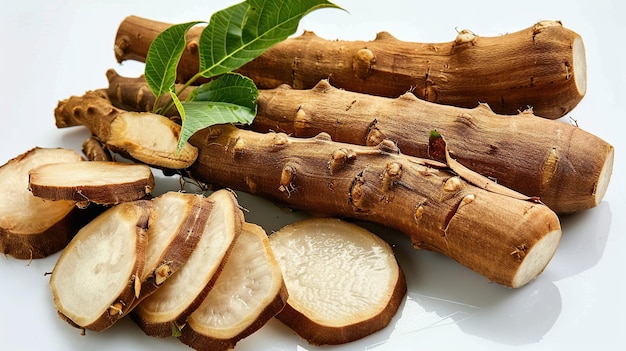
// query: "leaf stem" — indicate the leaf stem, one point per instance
point(189, 82)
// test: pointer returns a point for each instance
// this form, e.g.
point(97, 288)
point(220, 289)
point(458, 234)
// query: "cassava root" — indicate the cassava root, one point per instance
point(542, 67)
point(568, 168)
point(125, 132)
point(509, 241)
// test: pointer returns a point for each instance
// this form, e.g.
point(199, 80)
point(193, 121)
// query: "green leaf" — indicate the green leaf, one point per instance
point(163, 57)
point(230, 98)
point(176, 332)
point(240, 33)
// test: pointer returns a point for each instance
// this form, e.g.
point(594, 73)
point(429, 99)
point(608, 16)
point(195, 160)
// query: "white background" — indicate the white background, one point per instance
point(50, 50)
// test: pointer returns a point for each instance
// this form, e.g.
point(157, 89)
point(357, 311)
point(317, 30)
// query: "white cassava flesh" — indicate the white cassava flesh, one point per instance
point(176, 298)
point(249, 292)
point(176, 223)
point(344, 282)
point(101, 182)
point(155, 146)
point(96, 279)
point(605, 176)
point(31, 227)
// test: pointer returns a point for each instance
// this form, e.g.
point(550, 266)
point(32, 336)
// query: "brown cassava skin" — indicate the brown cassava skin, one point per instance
point(559, 163)
point(487, 232)
point(542, 66)
point(47, 242)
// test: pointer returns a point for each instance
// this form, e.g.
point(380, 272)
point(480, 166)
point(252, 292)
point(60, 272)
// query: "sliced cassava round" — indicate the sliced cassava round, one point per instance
point(344, 282)
point(101, 182)
point(175, 227)
point(167, 309)
point(248, 293)
point(97, 277)
point(31, 227)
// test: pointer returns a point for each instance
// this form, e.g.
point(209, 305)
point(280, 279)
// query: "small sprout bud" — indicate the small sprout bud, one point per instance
point(362, 63)
point(357, 193)
point(374, 136)
point(161, 274)
point(468, 199)
point(287, 176)
point(239, 148)
point(137, 285)
point(339, 158)
point(520, 252)
point(251, 185)
point(302, 122)
point(115, 308)
point(280, 139)
point(391, 175)
point(388, 146)
point(453, 184)
point(465, 37)
point(419, 212)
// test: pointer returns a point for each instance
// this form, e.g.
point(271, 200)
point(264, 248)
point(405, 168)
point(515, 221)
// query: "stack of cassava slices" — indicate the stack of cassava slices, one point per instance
point(189, 266)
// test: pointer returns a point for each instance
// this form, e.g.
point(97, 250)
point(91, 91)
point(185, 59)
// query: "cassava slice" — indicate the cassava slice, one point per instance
point(174, 229)
point(167, 309)
point(249, 292)
point(344, 282)
point(101, 182)
point(96, 279)
point(31, 227)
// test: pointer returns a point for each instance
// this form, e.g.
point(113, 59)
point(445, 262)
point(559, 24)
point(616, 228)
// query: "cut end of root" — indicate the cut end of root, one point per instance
point(580, 65)
point(537, 258)
point(605, 177)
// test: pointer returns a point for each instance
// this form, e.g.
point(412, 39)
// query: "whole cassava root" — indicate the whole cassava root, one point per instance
point(542, 67)
point(509, 241)
point(568, 168)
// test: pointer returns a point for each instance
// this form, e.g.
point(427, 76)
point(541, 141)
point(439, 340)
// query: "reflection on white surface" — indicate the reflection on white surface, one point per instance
point(423, 312)
point(585, 236)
